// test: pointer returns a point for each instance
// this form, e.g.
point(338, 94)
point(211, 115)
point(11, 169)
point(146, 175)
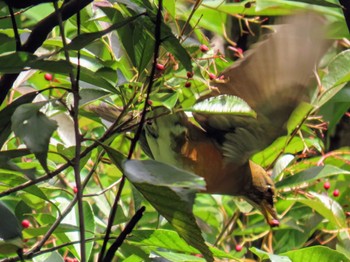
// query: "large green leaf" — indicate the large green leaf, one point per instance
point(170, 240)
point(316, 254)
point(311, 174)
point(328, 208)
point(34, 128)
point(171, 191)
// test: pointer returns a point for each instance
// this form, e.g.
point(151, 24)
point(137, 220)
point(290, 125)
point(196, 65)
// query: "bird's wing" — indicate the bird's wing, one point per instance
point(272, 78)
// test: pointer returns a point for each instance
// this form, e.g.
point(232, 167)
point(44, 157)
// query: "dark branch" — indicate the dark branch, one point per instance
point(127, 230)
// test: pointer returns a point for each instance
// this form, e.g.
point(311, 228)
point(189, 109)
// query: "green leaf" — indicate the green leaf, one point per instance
point(17, 62)
point(167, 100)
point(95, 79)
point(298, 116)
point(169, 5)
point(171, 191)
point(84, 39)
point(285, 145)
point(316, 254)
point(311, 174)
point(7, 112)
point(72, 221)
point(267, 256)
point(91, 94)
point(34, 128)
point(172, 45)
point(6, 162)
point(170, 240)
point(327, 207)
point(224, 104)
point(300, 225)
point(163, 239)
point(49, 257)
point(281, 163)
point(338, 73)
point(10, 231)
point(176, 257)
point(338, 70)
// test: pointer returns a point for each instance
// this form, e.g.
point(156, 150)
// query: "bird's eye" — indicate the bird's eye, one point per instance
point(269, 189)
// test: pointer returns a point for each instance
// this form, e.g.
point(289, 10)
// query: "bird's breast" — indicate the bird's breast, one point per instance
point(204, 158)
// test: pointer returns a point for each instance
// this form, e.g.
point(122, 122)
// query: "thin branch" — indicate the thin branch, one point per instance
point(127, 230)
point(78, 138)
point(157, 44)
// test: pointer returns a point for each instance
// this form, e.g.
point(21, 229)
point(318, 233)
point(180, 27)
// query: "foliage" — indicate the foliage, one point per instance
point(62, 166)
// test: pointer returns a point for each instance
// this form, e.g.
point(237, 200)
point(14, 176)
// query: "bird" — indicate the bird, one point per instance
point(272, 78)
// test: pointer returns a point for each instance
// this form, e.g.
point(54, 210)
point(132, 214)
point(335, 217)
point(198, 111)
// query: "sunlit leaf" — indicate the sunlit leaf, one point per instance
point(316, 254)
point(224, 104)
point(327, 207)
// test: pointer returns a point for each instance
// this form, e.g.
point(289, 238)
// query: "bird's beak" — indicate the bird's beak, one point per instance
point(269, 213)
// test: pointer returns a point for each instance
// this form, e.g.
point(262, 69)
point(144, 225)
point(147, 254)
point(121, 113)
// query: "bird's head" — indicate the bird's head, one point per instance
point(261, 193)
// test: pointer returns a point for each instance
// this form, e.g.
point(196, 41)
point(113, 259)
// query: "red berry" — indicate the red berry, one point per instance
point(188, 84)
point(274, 223)
point(149, 102)
point(25, 223)
point(75, 189)
point(48, 77)
point(204, 48)
point(189, 74)
point(239, 248)
point(160, 67)
point(347, 213)
point(326, 185)
point(212, 76)
point(75, 260)
point(336, 193)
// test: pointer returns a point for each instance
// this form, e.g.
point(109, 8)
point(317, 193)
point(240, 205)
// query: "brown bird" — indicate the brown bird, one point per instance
point(273, 78)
